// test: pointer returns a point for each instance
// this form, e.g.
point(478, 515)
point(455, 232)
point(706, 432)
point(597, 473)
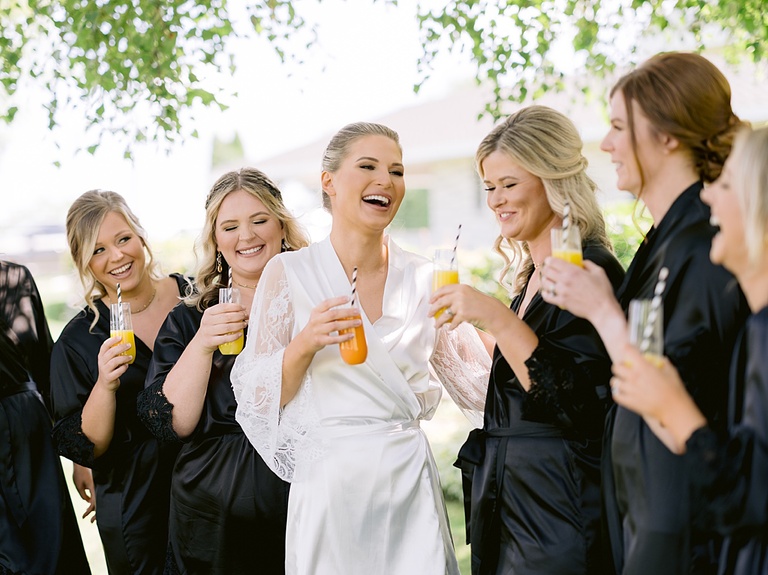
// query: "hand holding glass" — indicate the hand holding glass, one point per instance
point(567, 246)
point(354, 351)
point(120, 324)
point(646, 329)
point(445, 271)
point(231, 295)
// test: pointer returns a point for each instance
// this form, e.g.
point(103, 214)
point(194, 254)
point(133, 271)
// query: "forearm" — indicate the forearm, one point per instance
point(186, 385)
point(516, 341)
point(98, 418)
point(678, 422)
point(611, 324)
point(296, 361)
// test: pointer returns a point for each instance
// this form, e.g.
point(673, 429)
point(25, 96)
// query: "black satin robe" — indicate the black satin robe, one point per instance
point(132, 477)
point(531, 475)
point(38, 530)
point(729, 472)
point(646, 495)
point(228, 510)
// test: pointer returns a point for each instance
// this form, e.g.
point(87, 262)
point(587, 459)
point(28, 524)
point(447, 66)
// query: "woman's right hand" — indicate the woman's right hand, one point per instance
point(581, 291)
point(325, 321)
point(111, 364)
point(221, 324)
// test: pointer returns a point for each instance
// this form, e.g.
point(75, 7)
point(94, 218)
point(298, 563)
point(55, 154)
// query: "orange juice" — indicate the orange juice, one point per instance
point(355, 350)
point(571, 256)
point(442, 278)
point(127, 337)
point(655, 360)
point(233, 347)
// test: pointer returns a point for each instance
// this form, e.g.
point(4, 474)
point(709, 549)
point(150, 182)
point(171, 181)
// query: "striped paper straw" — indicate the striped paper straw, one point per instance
point(120, 320)
point(229, 283)
point(566, 221)
point(354, 285)
point(653, 313)
point(455, 246)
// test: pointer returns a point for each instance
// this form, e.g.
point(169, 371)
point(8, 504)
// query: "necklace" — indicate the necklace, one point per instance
point(146, 305)
point(244, 285)
point(154, 293)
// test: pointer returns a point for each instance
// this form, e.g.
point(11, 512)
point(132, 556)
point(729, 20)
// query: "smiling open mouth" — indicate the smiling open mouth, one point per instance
point(250, 251)
point(121, 269)
point(377, 201)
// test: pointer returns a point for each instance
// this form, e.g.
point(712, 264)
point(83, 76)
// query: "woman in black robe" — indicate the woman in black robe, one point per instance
point(228, 509)
point(94, 389)
point(532, 480)
point(671, 129)
point(38, 531)
point(728, 471)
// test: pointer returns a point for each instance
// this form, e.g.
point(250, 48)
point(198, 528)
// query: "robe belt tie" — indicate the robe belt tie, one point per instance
point(8, 388)
point(350, 428)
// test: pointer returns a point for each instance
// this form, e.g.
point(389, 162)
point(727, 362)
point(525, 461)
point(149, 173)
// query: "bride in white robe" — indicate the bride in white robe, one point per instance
point(365, 495)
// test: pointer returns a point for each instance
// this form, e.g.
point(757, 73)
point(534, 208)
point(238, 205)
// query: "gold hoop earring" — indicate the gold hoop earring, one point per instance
point(218, 262)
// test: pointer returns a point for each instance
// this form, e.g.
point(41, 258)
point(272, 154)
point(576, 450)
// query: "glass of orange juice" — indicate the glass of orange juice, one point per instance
point(231, 295)
point(445, 271)
point(120, 324)
point(567, 246)
point(646, 328)
point(354, 351)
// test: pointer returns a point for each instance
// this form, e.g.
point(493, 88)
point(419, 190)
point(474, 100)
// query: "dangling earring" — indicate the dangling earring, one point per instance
point(218, 262)
point(284, 246)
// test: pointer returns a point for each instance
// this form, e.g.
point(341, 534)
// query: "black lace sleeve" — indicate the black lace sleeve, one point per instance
point(155, 411)
point(71, 442)
point(566, 393)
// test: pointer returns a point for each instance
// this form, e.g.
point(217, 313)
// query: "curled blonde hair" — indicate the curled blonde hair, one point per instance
point(84, 219)
point(208, 279)
point(547, 144)
point(750, 180)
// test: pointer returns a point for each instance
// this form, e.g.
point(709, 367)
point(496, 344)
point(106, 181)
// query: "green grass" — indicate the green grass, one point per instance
point(456, 517)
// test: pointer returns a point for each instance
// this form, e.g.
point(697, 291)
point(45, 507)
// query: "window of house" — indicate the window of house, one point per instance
point(414, 211)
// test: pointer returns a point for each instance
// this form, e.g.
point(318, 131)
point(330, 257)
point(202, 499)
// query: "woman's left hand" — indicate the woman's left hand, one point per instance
point(462, 303)
point(649, 388)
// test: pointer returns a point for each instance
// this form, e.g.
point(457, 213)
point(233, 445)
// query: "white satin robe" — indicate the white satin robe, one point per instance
point(365, 496)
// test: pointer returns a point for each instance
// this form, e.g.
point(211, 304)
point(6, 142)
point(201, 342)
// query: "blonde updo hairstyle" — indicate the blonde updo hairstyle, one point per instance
point(547, 144)
point(338, 147)
point(750, 180)
point(208, 278)
point(84, 219)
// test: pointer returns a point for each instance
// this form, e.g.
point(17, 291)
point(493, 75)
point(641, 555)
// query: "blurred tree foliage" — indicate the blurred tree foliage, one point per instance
point(135, 68)
point(513, 42)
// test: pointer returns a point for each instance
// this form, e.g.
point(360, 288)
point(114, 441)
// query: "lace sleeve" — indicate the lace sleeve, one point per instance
point(71, 442)
point(463, 365)
point(156, 412)
point(563, 392)
point(281, 436)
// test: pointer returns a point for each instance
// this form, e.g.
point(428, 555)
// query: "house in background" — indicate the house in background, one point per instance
point(439, 140)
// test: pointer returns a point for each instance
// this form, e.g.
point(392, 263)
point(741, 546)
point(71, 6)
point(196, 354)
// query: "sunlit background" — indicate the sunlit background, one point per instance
point(363, 67)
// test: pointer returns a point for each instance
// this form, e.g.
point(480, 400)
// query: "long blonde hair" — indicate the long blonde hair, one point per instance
point(84, 219)
point(208, 278)
point(547, 144)
point(750, 180)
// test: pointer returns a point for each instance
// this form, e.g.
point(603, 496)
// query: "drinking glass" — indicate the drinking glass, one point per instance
point(646, 328)
point(567, 246)
point(354, 351)
point(445, 271)
point(231, 295)
point(120, 324)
